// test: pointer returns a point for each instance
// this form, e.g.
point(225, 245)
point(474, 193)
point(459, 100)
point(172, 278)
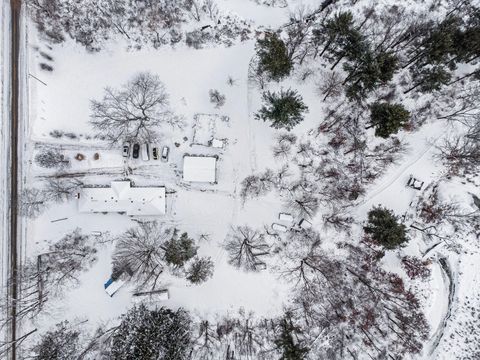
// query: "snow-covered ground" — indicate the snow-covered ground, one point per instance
point(60, 101)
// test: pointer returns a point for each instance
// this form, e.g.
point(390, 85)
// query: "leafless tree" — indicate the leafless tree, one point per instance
point(257, 185)
point(46, 274)
point(33, 202)
point(141, 251)
point(462, 152)
point(283, 147)
point(330, 86)
point(245, 248)
point(62, 189)
point(302, 201)
point(134, 112)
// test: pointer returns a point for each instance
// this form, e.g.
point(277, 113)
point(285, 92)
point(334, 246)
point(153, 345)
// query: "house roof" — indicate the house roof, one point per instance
point(121, 197)
point(199, 168)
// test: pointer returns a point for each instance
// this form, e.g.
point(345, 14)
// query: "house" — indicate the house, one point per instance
point(120, 197)
point(199, 168)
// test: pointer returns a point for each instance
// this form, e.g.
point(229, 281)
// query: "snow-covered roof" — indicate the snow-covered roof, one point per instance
point(121, 197)
point(199, 168)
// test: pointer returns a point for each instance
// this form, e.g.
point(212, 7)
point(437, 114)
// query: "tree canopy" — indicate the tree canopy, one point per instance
point(284, 109)
point(160, 334)
point(384, 228)
point(388, 118)
point(273, 57)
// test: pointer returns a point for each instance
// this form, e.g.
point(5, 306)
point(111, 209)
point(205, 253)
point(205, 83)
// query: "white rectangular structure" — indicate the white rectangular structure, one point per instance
point(121, 197)
point(113, 287)
point(288, 218)
point(199, 168)
point(279, 227)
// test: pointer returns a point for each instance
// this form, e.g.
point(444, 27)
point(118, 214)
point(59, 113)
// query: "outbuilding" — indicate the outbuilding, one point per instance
point(199, 168)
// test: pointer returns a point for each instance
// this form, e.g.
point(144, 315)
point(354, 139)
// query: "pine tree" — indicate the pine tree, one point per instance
point(200, 270)
point(58, 344)
point(179, 250)
point(287, 341)
point(384, 228)
point(273, 57)
point(284, 109)
point(429, 79)
point(368, 72)
point(387, 118)
point(160, 334)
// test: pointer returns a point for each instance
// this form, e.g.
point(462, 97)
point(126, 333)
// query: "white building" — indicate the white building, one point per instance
point(121, 197)
point(199, 168)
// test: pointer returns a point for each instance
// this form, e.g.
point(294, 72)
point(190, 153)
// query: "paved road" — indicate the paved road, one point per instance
point(13, 190)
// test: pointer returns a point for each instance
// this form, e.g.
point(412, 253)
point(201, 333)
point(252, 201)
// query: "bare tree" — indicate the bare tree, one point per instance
point(33, 202)
point(462, 152)
point(62, 189)
point(284, 145)
point(246, 247)
point(141, 251)
point(331, 85)
point(134, 112)
point(48, 272)
point(302, 202)
point(257, 185)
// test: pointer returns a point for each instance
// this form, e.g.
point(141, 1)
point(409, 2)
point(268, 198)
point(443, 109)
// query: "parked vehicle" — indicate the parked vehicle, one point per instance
point(112, 286)
point(155, 153)
point(126, 149)
point(165, 152)
point(136, 151)
point(145, 152)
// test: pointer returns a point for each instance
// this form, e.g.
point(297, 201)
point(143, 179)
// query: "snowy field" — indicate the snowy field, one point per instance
point(59, 102)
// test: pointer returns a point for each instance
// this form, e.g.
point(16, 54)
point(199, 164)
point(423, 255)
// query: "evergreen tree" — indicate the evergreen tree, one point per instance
point(429, 79)
point(273, 57)
point(59, 344)
point(387, 118)
point(200, 270)
point(368, 72)
point(179, 250)
point(284, 109)
point(287, 341)
point(334, 31)
point(384, 228)
point(160, 334)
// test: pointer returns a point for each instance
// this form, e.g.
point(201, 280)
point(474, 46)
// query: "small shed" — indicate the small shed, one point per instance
point(287, 218)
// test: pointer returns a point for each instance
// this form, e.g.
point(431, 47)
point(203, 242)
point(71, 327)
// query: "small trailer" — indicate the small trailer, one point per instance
point(279, 227)
point(415, 183)
point(112, 286)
